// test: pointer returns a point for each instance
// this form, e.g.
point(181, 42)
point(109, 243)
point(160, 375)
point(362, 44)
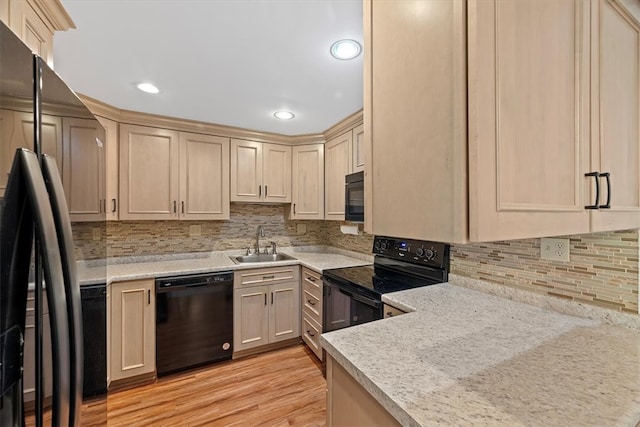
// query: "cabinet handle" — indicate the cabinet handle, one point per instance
point(259, 190)
point(294, 208)
point(268, 277)
point(608, 204)
point(271, 298)
point(148, 296)
point(182, 203)
point(595, 205)
point(104, 205)
point(113, 205)
point(311, 279)
point(311, 334)
point(265, 190)
point(175, 209)
point(265, 299)
point(311, 303)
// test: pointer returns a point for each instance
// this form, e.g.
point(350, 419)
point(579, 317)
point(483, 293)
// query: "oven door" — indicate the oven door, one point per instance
point(343, 306)
point(354, 197)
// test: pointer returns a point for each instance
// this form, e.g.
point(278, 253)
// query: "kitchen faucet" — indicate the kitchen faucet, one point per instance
point(259, 233)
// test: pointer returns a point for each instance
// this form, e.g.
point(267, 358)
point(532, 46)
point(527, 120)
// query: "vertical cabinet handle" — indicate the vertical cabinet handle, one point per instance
point(607, 177)
point(182, 203)
point(265, 299)
point(104, 205)
point(175, 209)
point(596, 204)
point(271, 298)
point(113, 205)
point(265, 191)
point(148, 296)
point(259, 190)
point(294, 208)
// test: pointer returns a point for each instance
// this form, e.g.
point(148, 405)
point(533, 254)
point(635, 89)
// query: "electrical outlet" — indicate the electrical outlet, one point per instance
point(554, 249)
point(195, 230)
point(97, 233)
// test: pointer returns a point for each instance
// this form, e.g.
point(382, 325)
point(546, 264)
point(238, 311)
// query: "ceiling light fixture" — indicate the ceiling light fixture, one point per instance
point(284, 115)
point(148, 87)
point(345, 49)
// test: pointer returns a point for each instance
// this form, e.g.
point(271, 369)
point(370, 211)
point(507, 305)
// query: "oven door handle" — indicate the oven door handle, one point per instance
point(368, 301)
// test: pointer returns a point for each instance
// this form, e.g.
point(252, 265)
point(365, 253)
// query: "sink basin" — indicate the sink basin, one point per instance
point(261, 258)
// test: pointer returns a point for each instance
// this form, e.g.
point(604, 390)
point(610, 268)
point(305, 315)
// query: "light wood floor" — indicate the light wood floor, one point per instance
point(280, 388)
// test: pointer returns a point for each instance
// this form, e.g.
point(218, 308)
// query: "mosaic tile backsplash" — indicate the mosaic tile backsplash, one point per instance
point(603, 267)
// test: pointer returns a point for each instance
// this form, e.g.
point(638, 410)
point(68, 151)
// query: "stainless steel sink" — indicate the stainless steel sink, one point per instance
point(261, 258)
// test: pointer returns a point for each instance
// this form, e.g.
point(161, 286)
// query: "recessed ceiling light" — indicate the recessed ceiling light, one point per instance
point(148, 87)
point(284, 115)
point(345, 49)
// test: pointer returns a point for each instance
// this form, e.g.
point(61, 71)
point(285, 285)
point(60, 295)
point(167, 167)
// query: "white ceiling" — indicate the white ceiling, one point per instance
point(230, 62)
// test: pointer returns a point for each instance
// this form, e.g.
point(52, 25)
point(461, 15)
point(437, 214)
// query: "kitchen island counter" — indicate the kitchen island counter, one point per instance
point(463, 357)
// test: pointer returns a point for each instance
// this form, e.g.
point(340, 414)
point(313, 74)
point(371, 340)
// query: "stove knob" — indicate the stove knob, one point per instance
point(420, 252)
point(385, 246)
point(377, 245)
point(430, 254)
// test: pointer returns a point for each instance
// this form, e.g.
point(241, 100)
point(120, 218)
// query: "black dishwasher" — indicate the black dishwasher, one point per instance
point(94, 332)
point(194, 320)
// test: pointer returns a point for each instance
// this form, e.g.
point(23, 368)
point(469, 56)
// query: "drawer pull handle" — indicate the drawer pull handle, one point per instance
point(268, 277)
point(311, 334)
point(311, 279)
point(311, 302)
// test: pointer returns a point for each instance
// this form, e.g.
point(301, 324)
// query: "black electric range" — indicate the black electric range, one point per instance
point(353, 295)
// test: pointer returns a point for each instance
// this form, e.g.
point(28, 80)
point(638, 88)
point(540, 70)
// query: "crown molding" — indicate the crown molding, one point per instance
point(107, 111)
point(344, 125)
point(53, 13)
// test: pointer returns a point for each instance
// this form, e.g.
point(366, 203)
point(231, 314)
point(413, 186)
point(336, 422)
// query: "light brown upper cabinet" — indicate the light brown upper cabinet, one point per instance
point(111, 168)
point(166, 174)
point(338, 163)
point(532, 97)
point(83, 177)
point(204, 177)
point(17, 132)
point(260, 172)
point(308, 182)
point(35, 22)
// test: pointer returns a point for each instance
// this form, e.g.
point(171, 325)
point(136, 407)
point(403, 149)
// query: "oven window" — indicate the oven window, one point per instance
point(342, 308)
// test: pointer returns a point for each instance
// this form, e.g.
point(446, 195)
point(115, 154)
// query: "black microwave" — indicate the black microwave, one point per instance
point(354, 197)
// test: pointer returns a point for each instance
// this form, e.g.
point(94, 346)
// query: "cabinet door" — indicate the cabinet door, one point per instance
point(51, 135)
point(111, 168)
point(284, 311)
point(615, 113)
point(415, 107)
point(337, 166)
point(148, 173)
point(204, 177)
point(133, 336)
point(246, 171)
point(528, 118)
point(83, 175)
point(276, 170)
point(308, 182)
point(250, 317)
point(32, 30)
point(358, 149)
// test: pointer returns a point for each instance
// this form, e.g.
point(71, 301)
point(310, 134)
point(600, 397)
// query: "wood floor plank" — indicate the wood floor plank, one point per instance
point(282, 388)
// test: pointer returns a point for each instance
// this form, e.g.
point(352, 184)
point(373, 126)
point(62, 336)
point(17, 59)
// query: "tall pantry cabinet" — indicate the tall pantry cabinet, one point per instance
point(540, 98)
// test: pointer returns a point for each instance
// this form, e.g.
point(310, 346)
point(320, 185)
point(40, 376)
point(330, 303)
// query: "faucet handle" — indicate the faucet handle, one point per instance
point(274, 249)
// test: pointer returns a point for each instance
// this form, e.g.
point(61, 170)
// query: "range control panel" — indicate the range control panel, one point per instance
point(420, 252)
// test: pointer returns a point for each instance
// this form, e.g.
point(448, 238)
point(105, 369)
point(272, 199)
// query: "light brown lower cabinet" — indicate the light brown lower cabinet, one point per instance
point(349, 404)
point(29, 378)
point(312, 310)
point(266, 306)
point(133, 329)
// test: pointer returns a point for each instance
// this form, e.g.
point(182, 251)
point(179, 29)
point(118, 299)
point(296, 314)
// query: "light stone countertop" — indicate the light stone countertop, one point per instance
point(463, 357)
point(317, 258)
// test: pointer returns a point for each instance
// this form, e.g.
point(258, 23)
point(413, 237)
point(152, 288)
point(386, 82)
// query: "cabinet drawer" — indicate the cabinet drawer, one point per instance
point(311, 335)
point(312, 281)
point(311, 303)
point(266, 276)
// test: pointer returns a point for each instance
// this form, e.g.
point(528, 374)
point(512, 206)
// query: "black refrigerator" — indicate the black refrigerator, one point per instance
point(36, 244)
